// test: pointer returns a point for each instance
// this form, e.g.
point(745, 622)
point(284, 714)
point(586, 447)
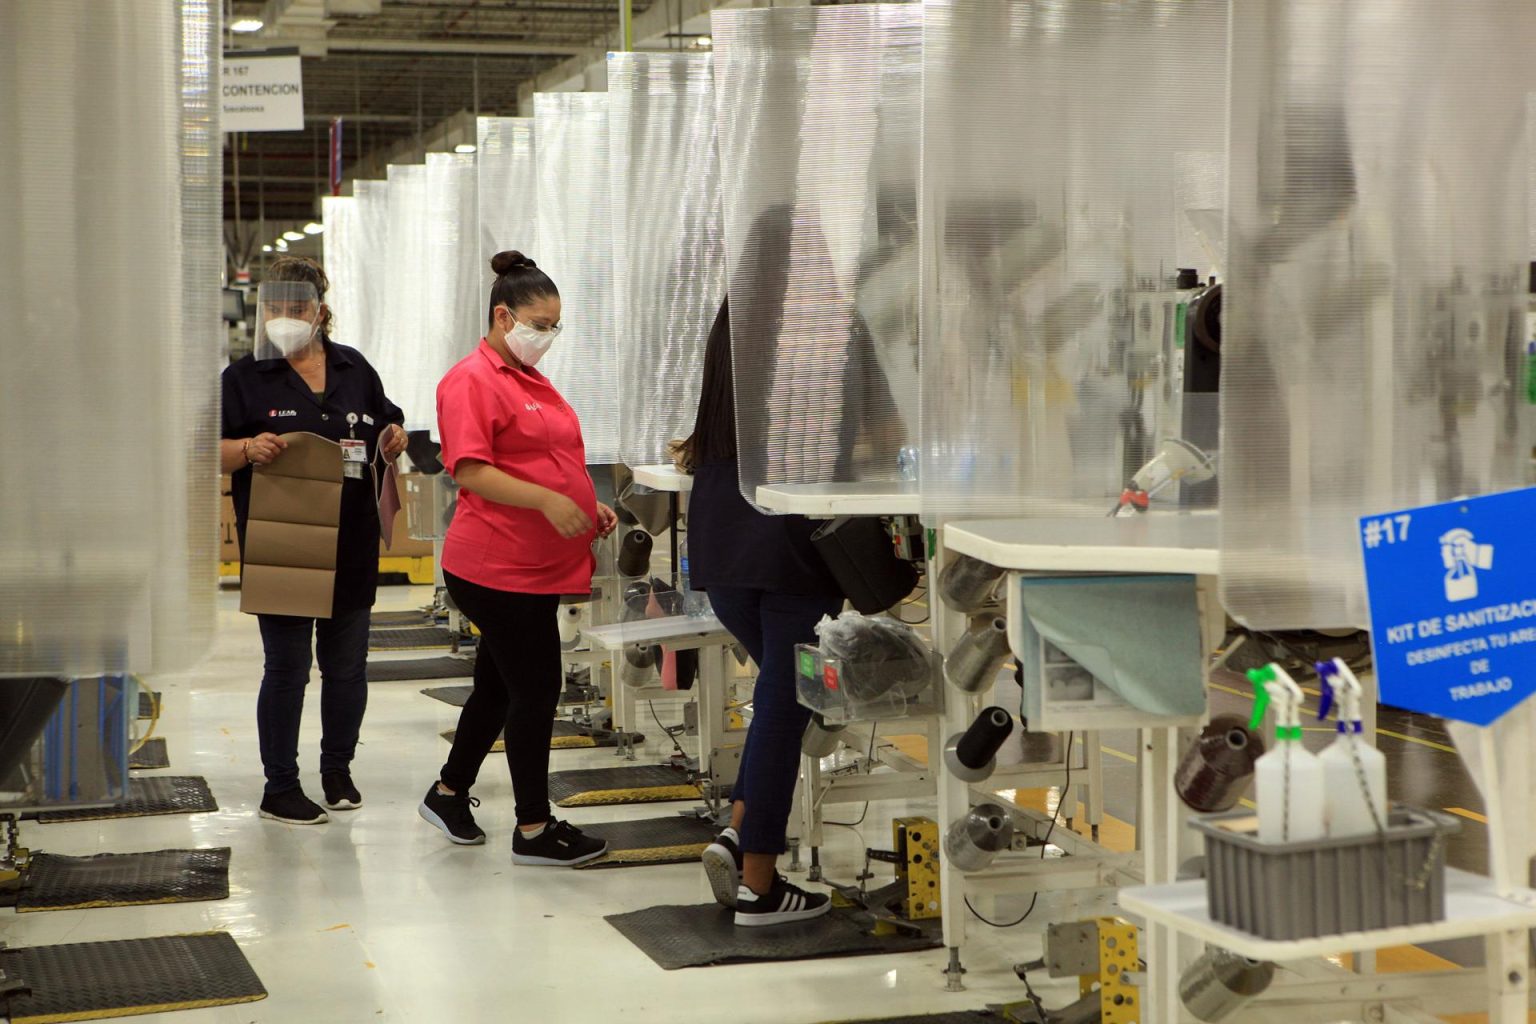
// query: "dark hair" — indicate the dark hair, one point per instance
point(714, 428)
point(308, 271)
point(519, 281)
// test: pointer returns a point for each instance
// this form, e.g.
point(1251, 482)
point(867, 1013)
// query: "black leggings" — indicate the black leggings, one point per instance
point(518, 678)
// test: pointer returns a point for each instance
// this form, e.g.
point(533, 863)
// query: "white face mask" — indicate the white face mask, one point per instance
point(289, 335)
point(529, 344)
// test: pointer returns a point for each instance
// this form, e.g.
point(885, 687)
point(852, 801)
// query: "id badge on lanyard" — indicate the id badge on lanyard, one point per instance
point(354, 453)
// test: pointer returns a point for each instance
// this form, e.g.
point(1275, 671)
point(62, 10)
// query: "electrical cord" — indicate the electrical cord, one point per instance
point(868, 759)
point(1045, 845)
point(667, 732)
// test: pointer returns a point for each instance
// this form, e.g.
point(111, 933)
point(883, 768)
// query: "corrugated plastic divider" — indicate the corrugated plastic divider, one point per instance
point(575, 230)
point(1374, 335)
point(669, 242)
point(1063, 148)
point(818, 117)
point(508, 190)
point(402, 362)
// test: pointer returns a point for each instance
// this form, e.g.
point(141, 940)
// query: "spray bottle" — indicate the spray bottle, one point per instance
point(1288, 779)
point(1354, 772)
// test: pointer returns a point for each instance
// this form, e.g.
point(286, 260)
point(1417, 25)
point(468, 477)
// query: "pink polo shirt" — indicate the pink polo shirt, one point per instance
point(516, 421)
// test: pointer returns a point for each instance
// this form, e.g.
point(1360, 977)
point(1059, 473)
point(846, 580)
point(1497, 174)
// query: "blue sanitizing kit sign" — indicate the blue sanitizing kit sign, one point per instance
point(1452, 589)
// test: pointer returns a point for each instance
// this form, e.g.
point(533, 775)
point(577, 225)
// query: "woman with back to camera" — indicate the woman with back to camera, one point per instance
point(521, 537)
point(297, 379)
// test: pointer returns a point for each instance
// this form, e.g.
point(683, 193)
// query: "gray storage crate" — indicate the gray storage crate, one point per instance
point(1327, 886)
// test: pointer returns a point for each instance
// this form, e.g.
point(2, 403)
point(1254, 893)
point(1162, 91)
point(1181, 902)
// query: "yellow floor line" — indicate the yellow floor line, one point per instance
point(1431, 744)
point(1470, 815)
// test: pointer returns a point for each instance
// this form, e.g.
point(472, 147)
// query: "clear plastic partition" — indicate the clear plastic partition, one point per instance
point(108, 529)
point(1374, 355)
point(818, 133)
point(575, 229)
point(402, 348)
point(509, 178)
point(451, 287)
point(356, 243)
point(1072, 163)
point(669, 242)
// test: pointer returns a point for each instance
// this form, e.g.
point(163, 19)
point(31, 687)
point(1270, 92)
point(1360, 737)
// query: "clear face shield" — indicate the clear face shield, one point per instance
point(287, 318)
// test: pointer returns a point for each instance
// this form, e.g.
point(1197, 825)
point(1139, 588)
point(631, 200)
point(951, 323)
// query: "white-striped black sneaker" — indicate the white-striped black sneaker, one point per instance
point(722, 866)
point(452, 814)
point(783, 904)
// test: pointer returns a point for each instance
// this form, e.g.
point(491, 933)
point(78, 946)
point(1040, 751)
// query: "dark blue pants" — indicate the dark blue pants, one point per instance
point(341, 647)
point(769, 626)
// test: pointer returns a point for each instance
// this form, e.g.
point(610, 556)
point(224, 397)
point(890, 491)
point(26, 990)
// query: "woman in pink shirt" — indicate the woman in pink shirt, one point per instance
point(521, 537)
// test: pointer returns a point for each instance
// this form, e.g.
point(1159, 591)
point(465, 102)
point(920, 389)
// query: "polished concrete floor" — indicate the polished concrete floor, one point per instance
point(374, 917)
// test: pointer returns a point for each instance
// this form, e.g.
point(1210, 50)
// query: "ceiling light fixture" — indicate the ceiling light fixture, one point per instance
point(246, 25)
point(294, 236)
point(282, 245)
point(464, 147)
point(313, 228)
point(266, 248)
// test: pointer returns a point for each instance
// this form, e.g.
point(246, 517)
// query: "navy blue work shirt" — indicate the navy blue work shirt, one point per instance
point(732, 544)
point(268, 396)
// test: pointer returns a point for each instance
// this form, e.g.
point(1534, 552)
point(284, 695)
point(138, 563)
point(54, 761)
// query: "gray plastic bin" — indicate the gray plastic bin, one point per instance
point(1327, 886)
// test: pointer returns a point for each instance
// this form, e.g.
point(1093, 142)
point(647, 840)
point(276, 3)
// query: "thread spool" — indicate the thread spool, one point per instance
point(1214, 772)
point(974, 839)
point(639, 666)
point(973, 664)
point(570, 626)
point(1220, 983)
point(634, 557)
point(821, 739)
point(972, 755)
point(967, 583)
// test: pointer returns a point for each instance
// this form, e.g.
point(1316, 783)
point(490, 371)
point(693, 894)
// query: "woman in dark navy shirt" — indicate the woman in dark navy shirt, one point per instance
point(299, 380)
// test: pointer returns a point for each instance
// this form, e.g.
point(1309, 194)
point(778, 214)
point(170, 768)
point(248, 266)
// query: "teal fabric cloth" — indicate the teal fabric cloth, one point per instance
point(1139, 635)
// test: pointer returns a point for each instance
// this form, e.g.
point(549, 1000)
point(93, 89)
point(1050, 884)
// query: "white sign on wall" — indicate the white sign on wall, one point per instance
point(262, 92)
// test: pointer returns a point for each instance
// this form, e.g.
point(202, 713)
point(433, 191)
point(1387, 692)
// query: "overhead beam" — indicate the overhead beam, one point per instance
point(484, 48)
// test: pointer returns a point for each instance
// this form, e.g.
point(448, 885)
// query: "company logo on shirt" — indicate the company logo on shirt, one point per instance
point(533, 406)
point(278, 413)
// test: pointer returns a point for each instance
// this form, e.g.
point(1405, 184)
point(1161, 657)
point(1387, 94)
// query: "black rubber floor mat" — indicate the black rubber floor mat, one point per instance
point(676, 839)
point(634, 784)
point(148, 795)
point(706, 936)
point(125, 879)
point(567, 736)
point(410, 638)
point(151, 755)
point(96, 980)
point(421, 668)
point(385, 620)
point(457, 696)
point(147, 703)
point(963, 1017)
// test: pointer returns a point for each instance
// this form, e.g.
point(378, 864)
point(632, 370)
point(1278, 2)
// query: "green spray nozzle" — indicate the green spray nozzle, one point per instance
point(1260, 677)
point(1271, 683)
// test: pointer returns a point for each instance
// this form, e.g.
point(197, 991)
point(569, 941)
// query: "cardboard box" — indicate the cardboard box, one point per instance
point(292, 532)
point(229, 535)
point(401, 544)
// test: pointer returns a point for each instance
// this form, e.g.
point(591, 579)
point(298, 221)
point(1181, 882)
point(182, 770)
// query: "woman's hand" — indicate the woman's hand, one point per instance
point(393, 441)
point(565, 515)
point(263, 448)
point(607, 520)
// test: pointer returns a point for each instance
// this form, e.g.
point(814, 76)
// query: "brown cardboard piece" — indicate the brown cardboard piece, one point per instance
point(291, 535)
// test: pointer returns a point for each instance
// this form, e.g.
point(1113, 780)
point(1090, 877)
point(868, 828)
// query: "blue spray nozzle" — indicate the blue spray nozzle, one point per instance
point(1328, 677)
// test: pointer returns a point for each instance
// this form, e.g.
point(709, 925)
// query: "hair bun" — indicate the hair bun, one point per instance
point(506, 262)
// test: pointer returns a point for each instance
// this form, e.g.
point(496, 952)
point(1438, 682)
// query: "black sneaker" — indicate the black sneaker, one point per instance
point(340, 794)
point(783, 904)
point(452, 815)
point(293, 808)
point(722, 866)
point(561, 844)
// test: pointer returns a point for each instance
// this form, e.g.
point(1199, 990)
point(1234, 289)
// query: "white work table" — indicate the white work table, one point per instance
point(679, 632)
point(1150, 543)
point(663, 478)
point(826, 501)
